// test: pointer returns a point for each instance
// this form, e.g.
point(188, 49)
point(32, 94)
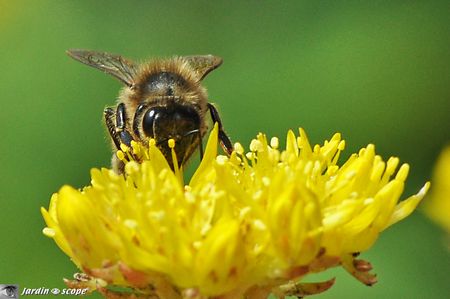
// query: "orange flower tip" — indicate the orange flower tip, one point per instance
point(304, 289)
point(135, 277)
point(362, 265)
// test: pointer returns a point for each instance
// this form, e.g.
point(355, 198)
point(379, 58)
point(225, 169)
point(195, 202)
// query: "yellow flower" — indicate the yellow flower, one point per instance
point(246, 225)
point(438, 207)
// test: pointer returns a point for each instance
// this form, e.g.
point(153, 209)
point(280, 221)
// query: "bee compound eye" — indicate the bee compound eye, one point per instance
point(148, 121)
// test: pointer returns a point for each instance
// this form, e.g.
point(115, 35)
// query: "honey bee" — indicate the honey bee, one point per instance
point(162, 99)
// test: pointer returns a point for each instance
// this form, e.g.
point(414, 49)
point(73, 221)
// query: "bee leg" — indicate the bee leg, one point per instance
point(225, 141)
point(139, 111)
point(117, 137)
point(124, 136)
point(109, 116)
point(117, 129)
point(200, 145)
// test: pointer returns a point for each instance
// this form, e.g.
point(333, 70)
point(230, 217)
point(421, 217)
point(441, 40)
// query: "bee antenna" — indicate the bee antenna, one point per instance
point(191, 132)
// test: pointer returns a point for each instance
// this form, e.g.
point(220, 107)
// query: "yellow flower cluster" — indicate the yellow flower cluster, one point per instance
point(246, 225)
point(438, 207)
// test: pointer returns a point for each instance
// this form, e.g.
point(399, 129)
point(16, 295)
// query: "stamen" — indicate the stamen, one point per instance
point(121, 156)
point(274, 142)
point(238, 148)
point(124, 147)
point(176, 167)
point(256, 145)
point(171, 143)
point(49, 232)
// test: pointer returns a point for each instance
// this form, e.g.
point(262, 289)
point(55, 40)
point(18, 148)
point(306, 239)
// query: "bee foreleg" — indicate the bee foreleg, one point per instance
point(109, 116)
point(115, 122)
point(225, 141)
point(200, 145)
point(123, 135)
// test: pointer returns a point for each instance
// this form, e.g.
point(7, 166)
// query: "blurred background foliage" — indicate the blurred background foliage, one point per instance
point(376, 71)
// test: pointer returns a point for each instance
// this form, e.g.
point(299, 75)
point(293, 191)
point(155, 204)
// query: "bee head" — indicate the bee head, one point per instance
point(175, 121)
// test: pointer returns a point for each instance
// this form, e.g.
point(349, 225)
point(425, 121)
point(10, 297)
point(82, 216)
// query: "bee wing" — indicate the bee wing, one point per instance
point(115, 65)
point(203, 64)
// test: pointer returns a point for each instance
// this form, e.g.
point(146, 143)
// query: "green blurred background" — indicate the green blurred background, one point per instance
point(378, 72)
